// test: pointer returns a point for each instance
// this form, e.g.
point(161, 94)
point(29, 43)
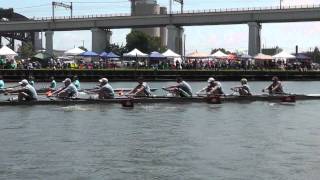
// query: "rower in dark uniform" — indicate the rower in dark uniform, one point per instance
point(275, 87)
point(244, 89)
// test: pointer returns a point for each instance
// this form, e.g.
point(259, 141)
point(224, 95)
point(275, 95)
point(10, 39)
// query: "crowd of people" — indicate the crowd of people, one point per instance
point(187, 64)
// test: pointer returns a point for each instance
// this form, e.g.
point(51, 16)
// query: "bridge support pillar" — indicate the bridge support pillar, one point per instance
point(49, 42)
point(37, 41)
point(254, 38)
point(175, 39)
point(100, 39)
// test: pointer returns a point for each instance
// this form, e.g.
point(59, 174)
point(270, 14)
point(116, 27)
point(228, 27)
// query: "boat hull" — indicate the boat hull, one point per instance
point(145, 100)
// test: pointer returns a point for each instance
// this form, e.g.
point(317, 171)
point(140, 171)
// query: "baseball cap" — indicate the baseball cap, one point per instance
point(211, 79)
point(24, 82)
point(67, 80)
point(103, 80)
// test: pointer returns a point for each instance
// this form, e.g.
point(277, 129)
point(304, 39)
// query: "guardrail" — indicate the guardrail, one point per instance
point(221, 10)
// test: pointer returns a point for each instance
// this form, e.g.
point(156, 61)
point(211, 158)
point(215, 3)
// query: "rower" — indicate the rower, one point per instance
point(105, 91)
point(244, 89)
point(53, 84)
point(76, 82)
point(214, 88)
point(26, 93)
point(142, 89)
point(68, 91)
point(275, 87)
point(182, 89)
point(1, 83)
point(31, 80)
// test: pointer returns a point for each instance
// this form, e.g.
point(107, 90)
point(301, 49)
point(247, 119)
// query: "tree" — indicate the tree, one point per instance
point(26, 50)
point(143, 42)
point(115, 48)
point(220, 49)
point(316, 55)
point(83, 48)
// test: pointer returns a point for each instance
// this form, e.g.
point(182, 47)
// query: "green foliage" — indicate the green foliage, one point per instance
point(26, 50)
point(115, 48)
point(143, 42)
point(220, 49)
point(83, 48)
point(316, 55)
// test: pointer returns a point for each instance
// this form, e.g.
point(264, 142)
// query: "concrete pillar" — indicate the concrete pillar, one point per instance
point(163, 30)
point(254, 38)
point(100, 39)
point(49, 42)
point(37, 41)
point(175, 39)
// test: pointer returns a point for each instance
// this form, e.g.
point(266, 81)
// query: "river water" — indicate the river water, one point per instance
point(258, 140)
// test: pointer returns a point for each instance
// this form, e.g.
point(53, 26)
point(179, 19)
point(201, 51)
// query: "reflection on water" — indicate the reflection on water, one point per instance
point(257, 140)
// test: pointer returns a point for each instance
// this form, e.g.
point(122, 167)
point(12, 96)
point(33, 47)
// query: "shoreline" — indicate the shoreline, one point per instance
point(159, 75)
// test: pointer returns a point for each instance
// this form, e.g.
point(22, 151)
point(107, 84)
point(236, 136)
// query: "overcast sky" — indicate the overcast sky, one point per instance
point(201, 38)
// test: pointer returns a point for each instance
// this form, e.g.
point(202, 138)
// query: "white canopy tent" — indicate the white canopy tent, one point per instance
point(5, 51)
point(74, 52)
point(170, 54)
point(219, 54)
point(283, 56)
point(135, 53)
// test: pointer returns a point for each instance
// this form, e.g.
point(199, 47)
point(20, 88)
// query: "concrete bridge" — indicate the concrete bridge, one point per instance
point(174, 22)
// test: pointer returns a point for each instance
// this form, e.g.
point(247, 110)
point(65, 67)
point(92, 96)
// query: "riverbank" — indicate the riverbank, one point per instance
point(160, 75)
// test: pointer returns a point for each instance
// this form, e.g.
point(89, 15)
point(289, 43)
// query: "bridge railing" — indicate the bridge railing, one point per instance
point(221, 10)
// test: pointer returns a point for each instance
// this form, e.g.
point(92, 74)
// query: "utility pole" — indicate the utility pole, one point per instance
point(60, 4)
point(170, 6)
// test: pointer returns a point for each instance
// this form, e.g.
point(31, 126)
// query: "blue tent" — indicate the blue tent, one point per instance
point(156, 56)
point(89, 54)
point(301, 56)
point(109, 55)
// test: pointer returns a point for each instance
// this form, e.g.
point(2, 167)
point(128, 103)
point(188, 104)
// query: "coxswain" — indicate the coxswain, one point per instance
point(53, 84)
point(26, 93)
point(31, 80)
point(105, 91)
point(142, 89)
point(1, 83)
point(244, 89)
point(68, 91)
point(214, 88)
point(275, 87)
point(76, 82)
point(182, 89)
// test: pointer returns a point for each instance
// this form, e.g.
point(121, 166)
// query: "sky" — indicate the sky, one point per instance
point(198, 38)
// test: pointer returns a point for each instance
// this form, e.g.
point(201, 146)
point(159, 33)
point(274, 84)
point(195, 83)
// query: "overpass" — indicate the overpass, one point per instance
point(174, 21)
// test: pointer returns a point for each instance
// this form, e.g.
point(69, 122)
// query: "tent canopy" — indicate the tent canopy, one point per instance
point(245, 57)
point(197, 54)
point(283, 55)
point(42, 56)
point(135, 53)
point(156, 55)
point(219, 54)
point(5, 51)
point(170, 54)
point(301, 56)
point(109, 55)
point(89, 54)
point(261, 56)
point(74, 52)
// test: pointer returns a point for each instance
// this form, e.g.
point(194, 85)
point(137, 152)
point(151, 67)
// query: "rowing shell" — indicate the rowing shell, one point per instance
point(164, 99)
